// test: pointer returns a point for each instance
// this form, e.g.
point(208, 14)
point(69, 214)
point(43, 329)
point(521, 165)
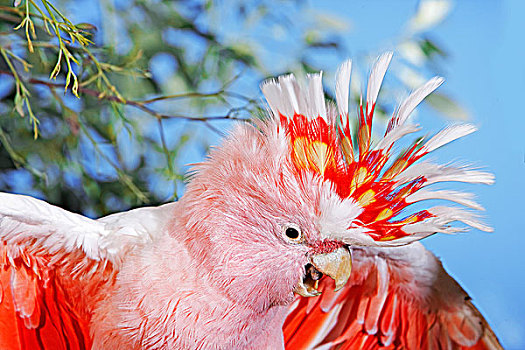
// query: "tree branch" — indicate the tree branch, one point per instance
point(142, 105)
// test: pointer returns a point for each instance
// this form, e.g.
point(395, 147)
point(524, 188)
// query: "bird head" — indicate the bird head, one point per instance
point(284, 200)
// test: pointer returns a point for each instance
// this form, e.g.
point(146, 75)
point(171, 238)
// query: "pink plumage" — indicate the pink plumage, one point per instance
point(293, 233)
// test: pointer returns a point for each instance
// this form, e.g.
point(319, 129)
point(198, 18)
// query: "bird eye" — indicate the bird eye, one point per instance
point(293, 233)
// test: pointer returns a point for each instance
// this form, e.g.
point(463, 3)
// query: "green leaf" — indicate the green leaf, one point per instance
point(19, 104)
point(86, 26)
point(431, 49)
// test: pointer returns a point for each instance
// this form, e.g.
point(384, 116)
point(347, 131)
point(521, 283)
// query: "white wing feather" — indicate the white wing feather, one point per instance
point(26, 219)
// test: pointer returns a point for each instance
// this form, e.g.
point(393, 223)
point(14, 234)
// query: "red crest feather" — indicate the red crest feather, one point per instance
point(320, 141)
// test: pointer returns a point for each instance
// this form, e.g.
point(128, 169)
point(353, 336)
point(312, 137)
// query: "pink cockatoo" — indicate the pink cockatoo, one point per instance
point(288, 236)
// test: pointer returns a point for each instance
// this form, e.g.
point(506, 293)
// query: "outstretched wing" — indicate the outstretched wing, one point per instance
point(396, 298)
point(54, 266)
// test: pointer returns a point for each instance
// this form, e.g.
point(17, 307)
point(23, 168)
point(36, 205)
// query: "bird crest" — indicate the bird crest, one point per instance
point(384, 184)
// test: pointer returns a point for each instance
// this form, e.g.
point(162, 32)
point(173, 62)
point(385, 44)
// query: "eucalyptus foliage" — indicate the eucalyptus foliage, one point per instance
point(104, 116)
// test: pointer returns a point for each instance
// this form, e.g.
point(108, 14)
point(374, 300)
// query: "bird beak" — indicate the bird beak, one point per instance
point(337, 265)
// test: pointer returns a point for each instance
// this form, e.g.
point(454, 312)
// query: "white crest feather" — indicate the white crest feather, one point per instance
point(463, 198)
point(447, 135)
point(290, 91)
point(316, 100)
point(342, 89)
point(443, 217)
point(412, 101)
point(273, 94)
point(434, 173)
point(396, 134)
point(286, 96)
point(376, 79)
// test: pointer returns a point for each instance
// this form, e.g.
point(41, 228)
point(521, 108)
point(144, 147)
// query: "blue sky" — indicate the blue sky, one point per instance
point(485, 72)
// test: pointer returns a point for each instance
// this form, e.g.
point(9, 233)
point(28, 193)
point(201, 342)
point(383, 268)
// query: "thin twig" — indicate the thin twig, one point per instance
point(142, 105)
point(125, 178)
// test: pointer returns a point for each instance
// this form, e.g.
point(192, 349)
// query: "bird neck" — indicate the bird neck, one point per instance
point(165, 298)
